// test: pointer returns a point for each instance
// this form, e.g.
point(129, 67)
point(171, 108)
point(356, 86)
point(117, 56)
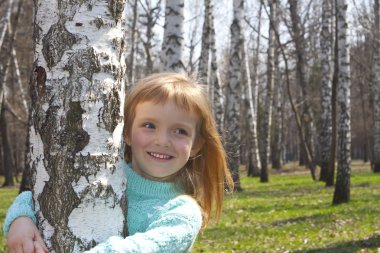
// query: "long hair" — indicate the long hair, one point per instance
point(205, 175)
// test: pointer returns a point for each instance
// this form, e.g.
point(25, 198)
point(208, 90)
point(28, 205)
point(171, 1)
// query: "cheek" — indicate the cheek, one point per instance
point(138, 140)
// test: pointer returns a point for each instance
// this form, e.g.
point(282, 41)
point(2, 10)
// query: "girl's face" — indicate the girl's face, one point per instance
point(162, 139)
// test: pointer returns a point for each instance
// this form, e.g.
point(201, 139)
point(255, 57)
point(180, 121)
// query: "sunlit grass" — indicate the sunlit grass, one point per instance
point(7, 195)
point(292, 213)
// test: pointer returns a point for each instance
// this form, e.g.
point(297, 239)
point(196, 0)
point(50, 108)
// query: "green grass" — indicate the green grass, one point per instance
point(291, 213)
point(7, 195)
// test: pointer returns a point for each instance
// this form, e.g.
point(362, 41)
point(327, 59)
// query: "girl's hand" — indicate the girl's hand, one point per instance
point(24, 237)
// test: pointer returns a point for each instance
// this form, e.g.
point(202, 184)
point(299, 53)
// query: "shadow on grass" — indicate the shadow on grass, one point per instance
point(372, 242)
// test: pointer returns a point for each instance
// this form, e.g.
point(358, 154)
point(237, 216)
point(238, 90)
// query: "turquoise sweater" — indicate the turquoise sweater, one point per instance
point(160, 218)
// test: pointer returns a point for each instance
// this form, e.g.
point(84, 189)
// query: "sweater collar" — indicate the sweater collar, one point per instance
point(147, 187)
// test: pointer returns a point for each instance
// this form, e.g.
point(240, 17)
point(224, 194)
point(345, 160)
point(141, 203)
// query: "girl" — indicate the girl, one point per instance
point(176, 168)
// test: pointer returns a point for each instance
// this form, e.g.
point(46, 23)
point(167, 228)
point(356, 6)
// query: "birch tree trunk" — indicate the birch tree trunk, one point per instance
point(173, 41)
point(326, 89)
point(75, 135)
point(217, 96)
point(203, 66)
point(255, 164)
point(267, 116)
point(277, 147)
point(376, 69)
point(234, 92)
point(307, 114)
point(342, 187)
point(132, 53)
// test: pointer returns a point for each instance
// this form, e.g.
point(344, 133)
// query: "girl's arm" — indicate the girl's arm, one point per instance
point(20, 229)
point(174, 230)
point(22, 206)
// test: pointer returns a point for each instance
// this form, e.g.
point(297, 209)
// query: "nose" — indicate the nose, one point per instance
point(162, 139)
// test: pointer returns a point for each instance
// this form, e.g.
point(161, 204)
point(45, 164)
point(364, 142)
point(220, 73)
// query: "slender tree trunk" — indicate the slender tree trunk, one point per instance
point(254, 165)
point(326, 89)
point(173, 42)
point(215, 83)
point(267, 117)
point(7, 154)
point(307, 114)
point(376, 69)
point(342, 187)
point(276, 153)
point(75, 134)
point(203, 67)
point(234, 92)
point(132, 54)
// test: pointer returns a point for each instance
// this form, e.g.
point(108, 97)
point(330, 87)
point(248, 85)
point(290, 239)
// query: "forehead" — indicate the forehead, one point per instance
point(168, 111)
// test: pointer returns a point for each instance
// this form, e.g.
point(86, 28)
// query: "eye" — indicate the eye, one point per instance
point(181, 131)
point(149, 125)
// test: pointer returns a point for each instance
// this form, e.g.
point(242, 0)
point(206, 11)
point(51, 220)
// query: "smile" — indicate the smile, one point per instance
point(160, 156)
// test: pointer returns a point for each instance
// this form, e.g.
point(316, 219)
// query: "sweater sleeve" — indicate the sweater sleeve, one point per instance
point(174, 230)
point(21, 206)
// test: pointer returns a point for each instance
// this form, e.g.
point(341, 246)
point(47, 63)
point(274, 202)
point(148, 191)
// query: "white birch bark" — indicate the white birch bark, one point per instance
point(254, 144)
point(376, 70)
point(75, 136)
point(203, 67)
point(342, 186)
point(234, 90)
point(173, 41)
point(267, 116)
point(326, 88)
point(252, 152)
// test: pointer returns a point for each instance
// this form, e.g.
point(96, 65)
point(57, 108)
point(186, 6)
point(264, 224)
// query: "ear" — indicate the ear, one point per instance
point(198, 144)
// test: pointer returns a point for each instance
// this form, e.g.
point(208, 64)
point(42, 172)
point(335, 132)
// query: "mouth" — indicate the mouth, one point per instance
point(160, 156)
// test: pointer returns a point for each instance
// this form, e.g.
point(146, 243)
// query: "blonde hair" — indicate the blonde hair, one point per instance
point(206, 175)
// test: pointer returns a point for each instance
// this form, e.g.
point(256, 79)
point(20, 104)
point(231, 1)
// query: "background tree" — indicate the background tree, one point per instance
point(173, 42)
point(376, 70)
point(326, 89)
point(75, 135)
point(342, 187)
point(268, 107)
point(233, 92)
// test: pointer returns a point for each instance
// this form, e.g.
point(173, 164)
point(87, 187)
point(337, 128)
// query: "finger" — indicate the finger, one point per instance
point(39, 239)
point(27, 246)
point(38, 247)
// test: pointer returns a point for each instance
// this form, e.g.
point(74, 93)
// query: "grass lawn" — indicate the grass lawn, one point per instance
point(291, 213)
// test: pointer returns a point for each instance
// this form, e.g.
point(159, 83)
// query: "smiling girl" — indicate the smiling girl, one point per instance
point(176, 169)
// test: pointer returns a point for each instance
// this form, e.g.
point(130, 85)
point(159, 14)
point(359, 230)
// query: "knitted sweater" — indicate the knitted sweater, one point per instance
point(160, 218)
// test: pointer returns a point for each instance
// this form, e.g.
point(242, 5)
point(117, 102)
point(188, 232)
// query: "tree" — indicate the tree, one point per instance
point(173, 42)
point(301, 62)
point(233, 92)
point(149, 18)
point(76, 126)
point(326, 90)
point(376, 70)
point(268, 107)
point(342, 187)
point(253, 156)
point(215, 83)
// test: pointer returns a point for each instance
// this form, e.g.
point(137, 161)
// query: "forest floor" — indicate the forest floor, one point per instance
point(290, 213)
